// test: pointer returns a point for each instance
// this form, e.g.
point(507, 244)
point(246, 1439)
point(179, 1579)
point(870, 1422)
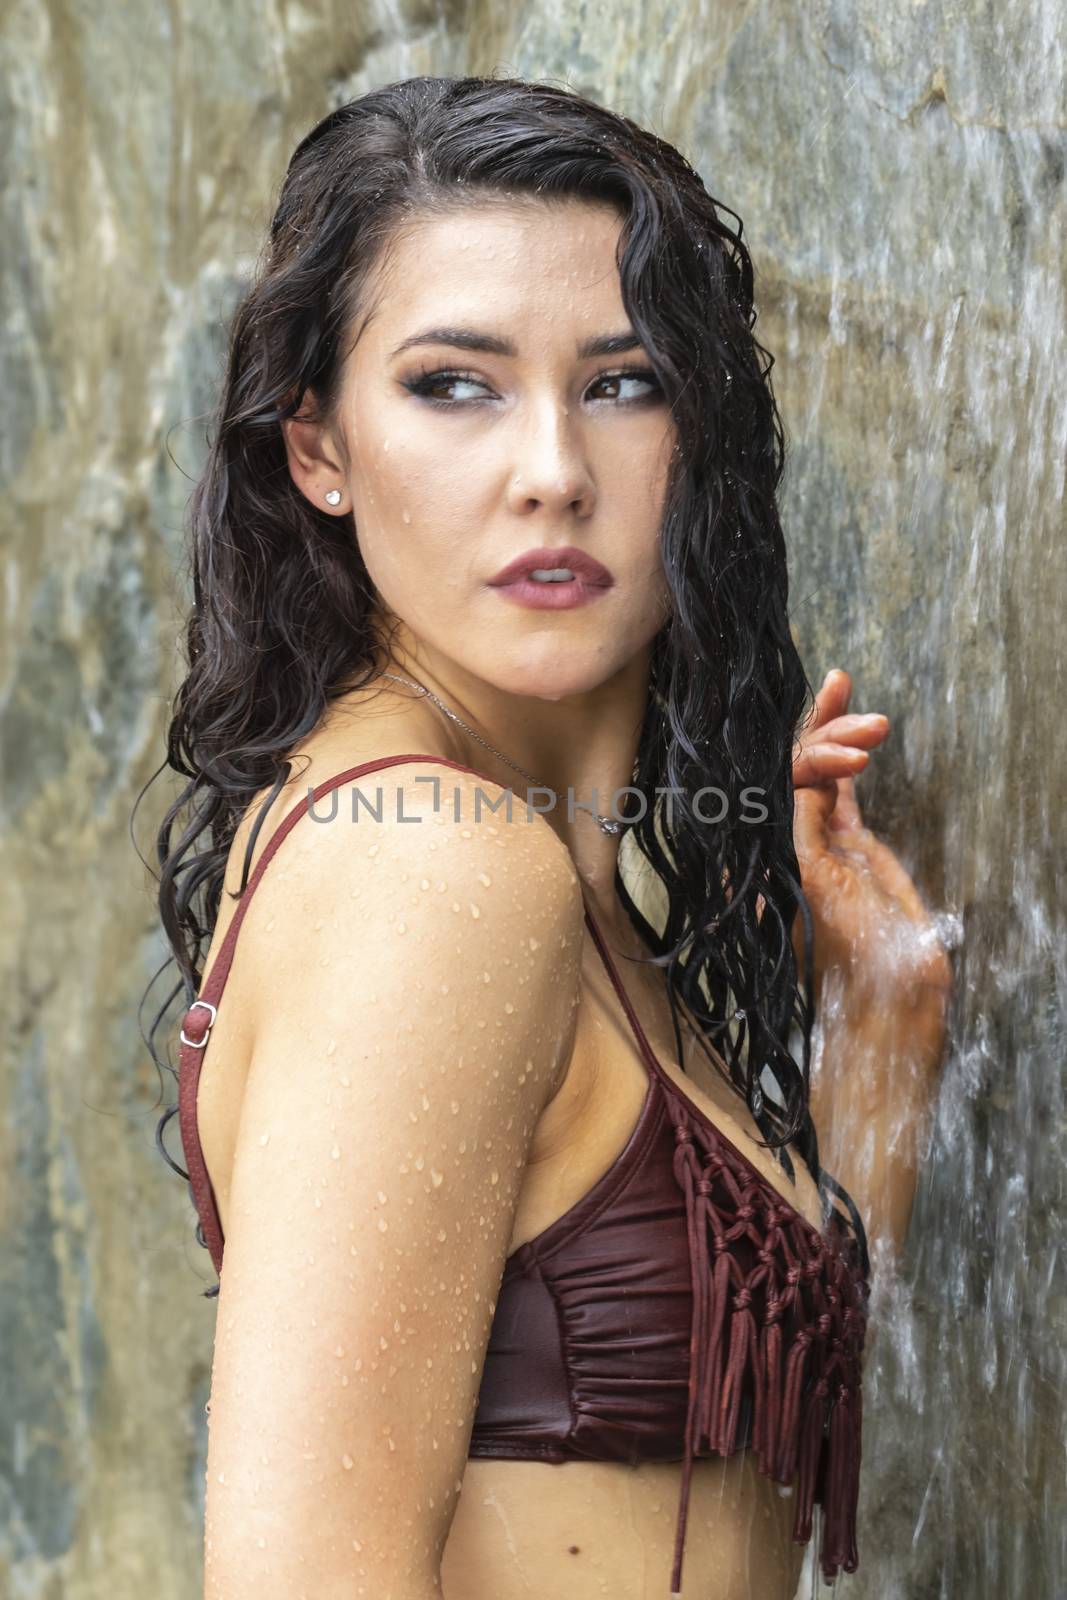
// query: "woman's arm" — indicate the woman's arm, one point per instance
point(875, 1073)
point(414, 990)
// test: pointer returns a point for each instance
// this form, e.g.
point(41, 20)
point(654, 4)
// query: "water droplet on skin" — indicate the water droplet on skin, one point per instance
point(424, 883)
point(474, 910)
point(508, 1007)
point(436, 1178)
point(373, 849)
point(382, 1225)
point(494, 1176)
point(347, 1463)
point(455, 905)
point(535, 944)
point(264, 1138)
point(455, 1106)
point(335, 1153)
point(401, 927)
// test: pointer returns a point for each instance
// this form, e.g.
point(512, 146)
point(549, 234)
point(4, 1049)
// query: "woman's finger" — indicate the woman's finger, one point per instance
point(836, 689)
point(830, 699)
point(812, 806)
point(866, 729)
point(820, 763)
point(846, 813)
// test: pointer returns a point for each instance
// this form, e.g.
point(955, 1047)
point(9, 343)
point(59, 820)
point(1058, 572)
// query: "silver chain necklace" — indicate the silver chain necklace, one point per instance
point(605, 824)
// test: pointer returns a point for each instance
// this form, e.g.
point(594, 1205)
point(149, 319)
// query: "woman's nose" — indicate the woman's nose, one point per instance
point(549, 462)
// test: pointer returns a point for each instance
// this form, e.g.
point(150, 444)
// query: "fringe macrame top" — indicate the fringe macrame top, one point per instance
point(681, 1308)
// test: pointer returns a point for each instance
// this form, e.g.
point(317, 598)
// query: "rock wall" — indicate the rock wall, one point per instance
point(899, 169)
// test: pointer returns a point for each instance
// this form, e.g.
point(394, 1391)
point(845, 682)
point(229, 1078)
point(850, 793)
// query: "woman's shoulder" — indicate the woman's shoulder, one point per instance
point(416, 820)
point(344, 742)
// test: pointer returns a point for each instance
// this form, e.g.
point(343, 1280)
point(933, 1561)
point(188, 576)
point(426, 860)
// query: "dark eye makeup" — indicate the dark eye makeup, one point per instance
point(422, 384)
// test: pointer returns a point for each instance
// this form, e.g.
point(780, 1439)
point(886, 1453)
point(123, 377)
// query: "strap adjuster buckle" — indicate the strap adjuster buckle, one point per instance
point(198, 1044)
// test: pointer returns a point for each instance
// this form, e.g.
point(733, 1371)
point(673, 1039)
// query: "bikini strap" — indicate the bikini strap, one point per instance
point(635, 1023)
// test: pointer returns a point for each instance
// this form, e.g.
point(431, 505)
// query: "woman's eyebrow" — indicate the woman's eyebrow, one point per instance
point(603, 344)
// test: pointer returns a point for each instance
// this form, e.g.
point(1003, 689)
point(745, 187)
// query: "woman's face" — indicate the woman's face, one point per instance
point(463, 457)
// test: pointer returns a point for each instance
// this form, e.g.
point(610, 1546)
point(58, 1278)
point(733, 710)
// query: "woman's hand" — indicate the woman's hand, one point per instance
point(875, 1074)
point(869, 921)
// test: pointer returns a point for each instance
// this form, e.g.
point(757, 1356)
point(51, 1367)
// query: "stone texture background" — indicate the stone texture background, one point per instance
point(900, 171)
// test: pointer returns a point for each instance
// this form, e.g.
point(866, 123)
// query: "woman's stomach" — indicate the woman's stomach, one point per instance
point(533, 1530)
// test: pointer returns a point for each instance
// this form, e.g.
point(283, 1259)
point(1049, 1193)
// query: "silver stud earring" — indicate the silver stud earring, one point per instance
point(333, 497)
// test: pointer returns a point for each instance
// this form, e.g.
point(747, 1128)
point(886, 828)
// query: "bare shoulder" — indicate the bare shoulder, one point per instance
point(448, 862)
point(415, 990)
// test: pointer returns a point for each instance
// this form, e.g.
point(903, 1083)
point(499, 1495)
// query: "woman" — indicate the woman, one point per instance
point(533, 1276)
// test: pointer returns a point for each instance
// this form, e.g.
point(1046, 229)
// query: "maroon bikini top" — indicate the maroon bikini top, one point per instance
point(682, 1307)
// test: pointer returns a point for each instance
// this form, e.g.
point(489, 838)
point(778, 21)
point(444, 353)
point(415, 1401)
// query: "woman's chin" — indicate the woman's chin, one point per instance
point(548, 682)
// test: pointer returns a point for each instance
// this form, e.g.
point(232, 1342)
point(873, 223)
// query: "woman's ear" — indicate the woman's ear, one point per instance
point(315, 463)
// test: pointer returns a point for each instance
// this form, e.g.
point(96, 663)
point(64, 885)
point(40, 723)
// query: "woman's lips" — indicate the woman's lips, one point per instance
point(561, 596)
point(591, 577)
point(546, 557)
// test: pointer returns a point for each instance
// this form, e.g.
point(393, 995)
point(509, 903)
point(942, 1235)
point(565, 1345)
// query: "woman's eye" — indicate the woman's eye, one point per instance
point(425, 383)
point(633, 375)
point(427, 386)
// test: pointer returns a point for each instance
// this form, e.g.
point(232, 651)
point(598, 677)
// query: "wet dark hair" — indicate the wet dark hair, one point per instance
point(284, 617)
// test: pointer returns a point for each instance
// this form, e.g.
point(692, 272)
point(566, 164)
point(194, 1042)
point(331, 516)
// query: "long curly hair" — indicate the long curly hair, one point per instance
point(283, 619)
